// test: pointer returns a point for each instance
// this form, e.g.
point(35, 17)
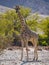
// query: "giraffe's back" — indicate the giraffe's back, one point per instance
point(27, 33)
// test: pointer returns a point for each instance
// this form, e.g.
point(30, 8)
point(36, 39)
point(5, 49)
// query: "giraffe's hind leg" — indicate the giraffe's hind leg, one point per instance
point(27, 50)
point(35, 51)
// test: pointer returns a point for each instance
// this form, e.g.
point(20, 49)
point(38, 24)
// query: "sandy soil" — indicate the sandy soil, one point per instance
point(12, 57)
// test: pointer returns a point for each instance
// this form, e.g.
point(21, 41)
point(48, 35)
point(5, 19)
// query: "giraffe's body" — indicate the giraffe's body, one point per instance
point(27, 35)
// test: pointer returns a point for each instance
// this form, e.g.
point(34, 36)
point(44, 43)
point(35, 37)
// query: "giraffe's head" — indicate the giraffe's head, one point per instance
point(17, 8)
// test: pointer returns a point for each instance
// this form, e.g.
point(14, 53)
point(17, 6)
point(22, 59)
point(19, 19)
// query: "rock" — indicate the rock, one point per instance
point(39, 48)
point(10, 49)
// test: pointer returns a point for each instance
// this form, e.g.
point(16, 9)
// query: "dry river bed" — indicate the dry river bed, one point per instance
point(12, 57)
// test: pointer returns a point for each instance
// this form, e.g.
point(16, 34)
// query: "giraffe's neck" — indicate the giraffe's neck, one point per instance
point(22, 21)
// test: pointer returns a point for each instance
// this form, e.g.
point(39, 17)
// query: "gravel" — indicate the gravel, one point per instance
point(12, 57)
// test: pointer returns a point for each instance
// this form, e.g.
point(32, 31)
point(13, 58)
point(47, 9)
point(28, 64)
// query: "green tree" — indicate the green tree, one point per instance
point(32, 21)
point(44, 26)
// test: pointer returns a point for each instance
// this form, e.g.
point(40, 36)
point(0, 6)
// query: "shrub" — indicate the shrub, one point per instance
point(43, 40)
point(5, 41)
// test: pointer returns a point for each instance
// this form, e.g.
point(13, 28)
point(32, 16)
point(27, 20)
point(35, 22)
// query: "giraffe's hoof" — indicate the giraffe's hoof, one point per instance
point(21, 59)
point(34, 59)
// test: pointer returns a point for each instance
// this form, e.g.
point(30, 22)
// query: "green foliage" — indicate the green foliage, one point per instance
point(44, 26)
point(25, 11)
point(43, 40)
point(44, 43)
point(32, 22)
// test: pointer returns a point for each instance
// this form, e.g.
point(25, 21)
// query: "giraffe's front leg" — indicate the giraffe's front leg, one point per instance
point(22, 42)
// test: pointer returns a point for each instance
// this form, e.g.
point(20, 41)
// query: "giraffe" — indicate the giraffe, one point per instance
point(27, 35)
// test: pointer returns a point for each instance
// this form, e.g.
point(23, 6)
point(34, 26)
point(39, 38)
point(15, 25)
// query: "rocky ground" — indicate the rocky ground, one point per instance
point(12, 57)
